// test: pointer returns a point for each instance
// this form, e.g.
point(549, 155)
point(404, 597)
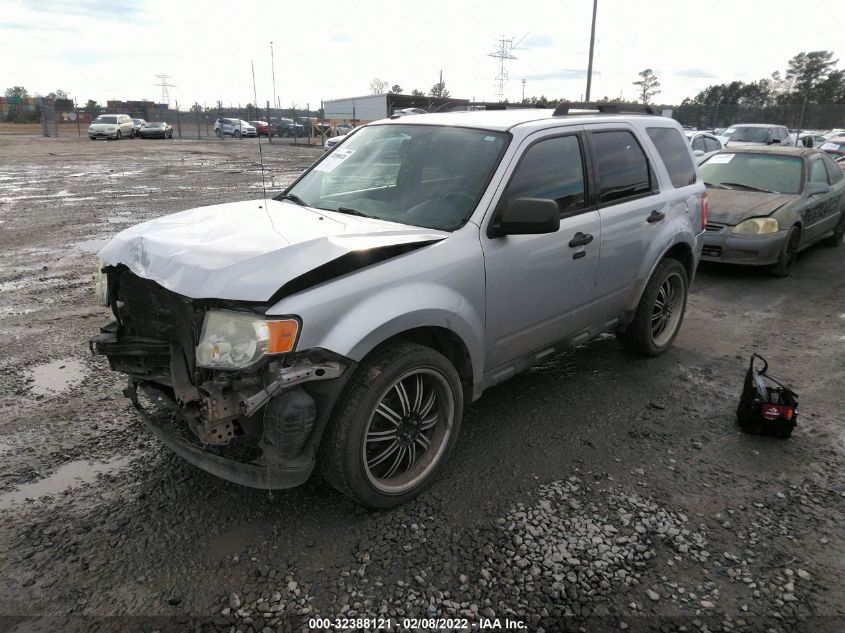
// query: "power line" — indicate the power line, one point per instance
point(165, 93)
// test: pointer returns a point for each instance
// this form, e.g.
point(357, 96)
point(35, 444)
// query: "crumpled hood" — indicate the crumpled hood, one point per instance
point(732, 207)
point(246, 251)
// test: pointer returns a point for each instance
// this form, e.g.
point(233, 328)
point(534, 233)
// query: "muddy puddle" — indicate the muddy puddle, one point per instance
point(91, 246)
point(58, 376)
point(68, 476)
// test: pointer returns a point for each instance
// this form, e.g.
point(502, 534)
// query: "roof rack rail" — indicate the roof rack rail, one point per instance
point(564, 107)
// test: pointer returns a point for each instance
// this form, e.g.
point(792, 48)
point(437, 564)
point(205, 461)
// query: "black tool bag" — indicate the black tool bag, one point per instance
point(767, 406)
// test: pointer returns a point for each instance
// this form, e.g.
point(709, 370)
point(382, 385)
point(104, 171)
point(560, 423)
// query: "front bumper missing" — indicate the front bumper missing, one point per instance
point(267, 476)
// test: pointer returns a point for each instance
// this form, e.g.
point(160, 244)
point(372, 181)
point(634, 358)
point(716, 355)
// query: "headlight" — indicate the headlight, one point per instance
point(233, 340)
point(101, 283)
point(756, 226)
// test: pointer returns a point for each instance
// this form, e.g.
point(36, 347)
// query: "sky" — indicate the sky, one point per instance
point(113, 49)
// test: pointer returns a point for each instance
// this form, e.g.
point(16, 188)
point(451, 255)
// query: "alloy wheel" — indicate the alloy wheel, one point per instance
point(667, 309)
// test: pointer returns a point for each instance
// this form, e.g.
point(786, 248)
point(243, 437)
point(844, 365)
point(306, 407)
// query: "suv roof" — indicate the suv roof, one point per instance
point(504, 120)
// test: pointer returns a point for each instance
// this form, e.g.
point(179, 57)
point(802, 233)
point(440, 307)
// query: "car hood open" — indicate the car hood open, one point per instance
point(247, 251)
point(732, 207)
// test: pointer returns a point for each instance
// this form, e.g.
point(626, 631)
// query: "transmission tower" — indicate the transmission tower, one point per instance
point(165, 93)
point(504, 52)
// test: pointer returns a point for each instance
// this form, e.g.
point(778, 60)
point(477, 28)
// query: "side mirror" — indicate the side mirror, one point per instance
point(774, 140)
point(807, 141)
point(817, 188)
point(528, 216)
point(698, 153)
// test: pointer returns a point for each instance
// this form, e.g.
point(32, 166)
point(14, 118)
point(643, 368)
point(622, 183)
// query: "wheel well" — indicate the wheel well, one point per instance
point(683, 254)
point(447, 343)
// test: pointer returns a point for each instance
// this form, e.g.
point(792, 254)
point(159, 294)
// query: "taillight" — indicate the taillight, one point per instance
point(705, 209)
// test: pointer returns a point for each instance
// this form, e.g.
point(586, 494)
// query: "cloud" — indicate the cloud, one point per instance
point(83, 57)
point(16, 26)
point(537, 41)
point(340, 38)
point(695, 73)
point(563, 73)
point(123, 11)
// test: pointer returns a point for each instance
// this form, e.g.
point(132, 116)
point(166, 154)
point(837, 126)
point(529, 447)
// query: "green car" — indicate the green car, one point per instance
point(769, 203)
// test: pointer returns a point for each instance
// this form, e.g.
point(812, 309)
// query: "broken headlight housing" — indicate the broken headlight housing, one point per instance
point(235, 340)
point(101, 283)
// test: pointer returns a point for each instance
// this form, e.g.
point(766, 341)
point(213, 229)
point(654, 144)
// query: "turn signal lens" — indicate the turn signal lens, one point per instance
point(282, 336)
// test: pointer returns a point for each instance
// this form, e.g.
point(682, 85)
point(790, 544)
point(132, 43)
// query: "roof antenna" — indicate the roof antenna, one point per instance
point(260, 153)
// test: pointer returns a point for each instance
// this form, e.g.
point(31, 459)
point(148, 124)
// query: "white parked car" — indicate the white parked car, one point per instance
point(704, 144)
point(116, 126)
point(233, 127)
point(757, 134)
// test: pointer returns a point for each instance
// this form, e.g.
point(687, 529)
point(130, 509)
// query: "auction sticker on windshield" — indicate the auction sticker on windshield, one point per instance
point(331, 162)
point(721, 158)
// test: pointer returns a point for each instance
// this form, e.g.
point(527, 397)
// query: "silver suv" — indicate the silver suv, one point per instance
point(346, 322)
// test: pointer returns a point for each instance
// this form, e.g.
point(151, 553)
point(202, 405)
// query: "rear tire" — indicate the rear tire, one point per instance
point(393, 427)
point(787, 256)
point(838, 233)
point(660, 312)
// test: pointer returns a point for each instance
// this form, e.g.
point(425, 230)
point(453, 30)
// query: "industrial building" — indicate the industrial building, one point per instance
point(373, 107)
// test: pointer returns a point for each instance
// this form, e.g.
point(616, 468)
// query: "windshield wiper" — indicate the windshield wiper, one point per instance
point(710, 184)
point(292, 198)
point(350, 211)
point(733, 185)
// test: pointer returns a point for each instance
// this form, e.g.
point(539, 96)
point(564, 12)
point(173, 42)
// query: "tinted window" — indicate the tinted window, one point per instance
point(711, 144)
point(698, 143)
point(622, 166)
point(675, 154)
point(550, 169)
point(834, 173)
point(817, 172)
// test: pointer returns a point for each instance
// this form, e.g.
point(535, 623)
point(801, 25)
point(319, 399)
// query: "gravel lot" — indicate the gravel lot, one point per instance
point(599, 491)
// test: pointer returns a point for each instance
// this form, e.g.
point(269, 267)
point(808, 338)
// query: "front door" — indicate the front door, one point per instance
point(540, 287)
point(822, 210)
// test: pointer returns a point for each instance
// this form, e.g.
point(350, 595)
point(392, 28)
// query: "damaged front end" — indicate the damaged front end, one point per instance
point(224, 385)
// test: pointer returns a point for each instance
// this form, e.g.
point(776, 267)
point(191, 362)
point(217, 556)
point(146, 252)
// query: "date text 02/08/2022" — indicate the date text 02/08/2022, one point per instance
point(388, 624)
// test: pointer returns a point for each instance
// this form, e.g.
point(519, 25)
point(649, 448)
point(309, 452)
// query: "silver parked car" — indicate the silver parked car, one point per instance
point(111, 126)
point(704, 144)
point(347, 322)
point(756, 134)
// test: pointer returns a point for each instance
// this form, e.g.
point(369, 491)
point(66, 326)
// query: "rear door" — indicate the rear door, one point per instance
point(631, 211)
point(822, 210)
point(540, 288)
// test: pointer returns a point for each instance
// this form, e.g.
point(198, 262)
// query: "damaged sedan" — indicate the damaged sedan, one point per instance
point(345, 322)
point(769, 203)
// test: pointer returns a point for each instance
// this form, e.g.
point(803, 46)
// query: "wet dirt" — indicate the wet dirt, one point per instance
point(122, 527)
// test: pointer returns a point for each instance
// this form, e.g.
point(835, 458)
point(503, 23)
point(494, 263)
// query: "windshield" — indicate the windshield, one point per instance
point(106, 119)
point(155, 124)
point(747, 134)
point(837, 145)
point(749, 172)
point(423, 175)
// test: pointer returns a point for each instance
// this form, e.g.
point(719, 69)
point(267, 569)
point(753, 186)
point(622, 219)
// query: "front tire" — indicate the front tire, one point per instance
point(660, 312)
point(118, 136)
point(394, 426)
point(787, 256)
point(838, 233)
point(219, 133)
point(237, 134)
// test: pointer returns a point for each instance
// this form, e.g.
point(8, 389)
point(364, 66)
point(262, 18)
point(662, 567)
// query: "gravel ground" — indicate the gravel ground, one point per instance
point(599, 491)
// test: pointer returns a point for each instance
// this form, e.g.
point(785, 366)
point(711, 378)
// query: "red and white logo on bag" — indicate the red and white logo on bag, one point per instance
point(776, 411)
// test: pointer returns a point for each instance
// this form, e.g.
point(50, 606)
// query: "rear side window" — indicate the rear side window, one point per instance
point(674, 153)
point(818, 173)
point(834, 173)
point(711, 144)
point(623, 170)
point(550, 169)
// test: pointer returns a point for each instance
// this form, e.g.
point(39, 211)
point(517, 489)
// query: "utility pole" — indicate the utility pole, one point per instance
point(592, 47)
point(165, 93)
point(273, 70)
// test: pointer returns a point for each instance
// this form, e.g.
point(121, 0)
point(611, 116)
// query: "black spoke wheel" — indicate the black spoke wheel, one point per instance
point(394, 425)
point(788, 255)
point(660, 312)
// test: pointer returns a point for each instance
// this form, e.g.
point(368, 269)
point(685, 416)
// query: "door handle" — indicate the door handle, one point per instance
point(580, 239)
point(655, 216)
